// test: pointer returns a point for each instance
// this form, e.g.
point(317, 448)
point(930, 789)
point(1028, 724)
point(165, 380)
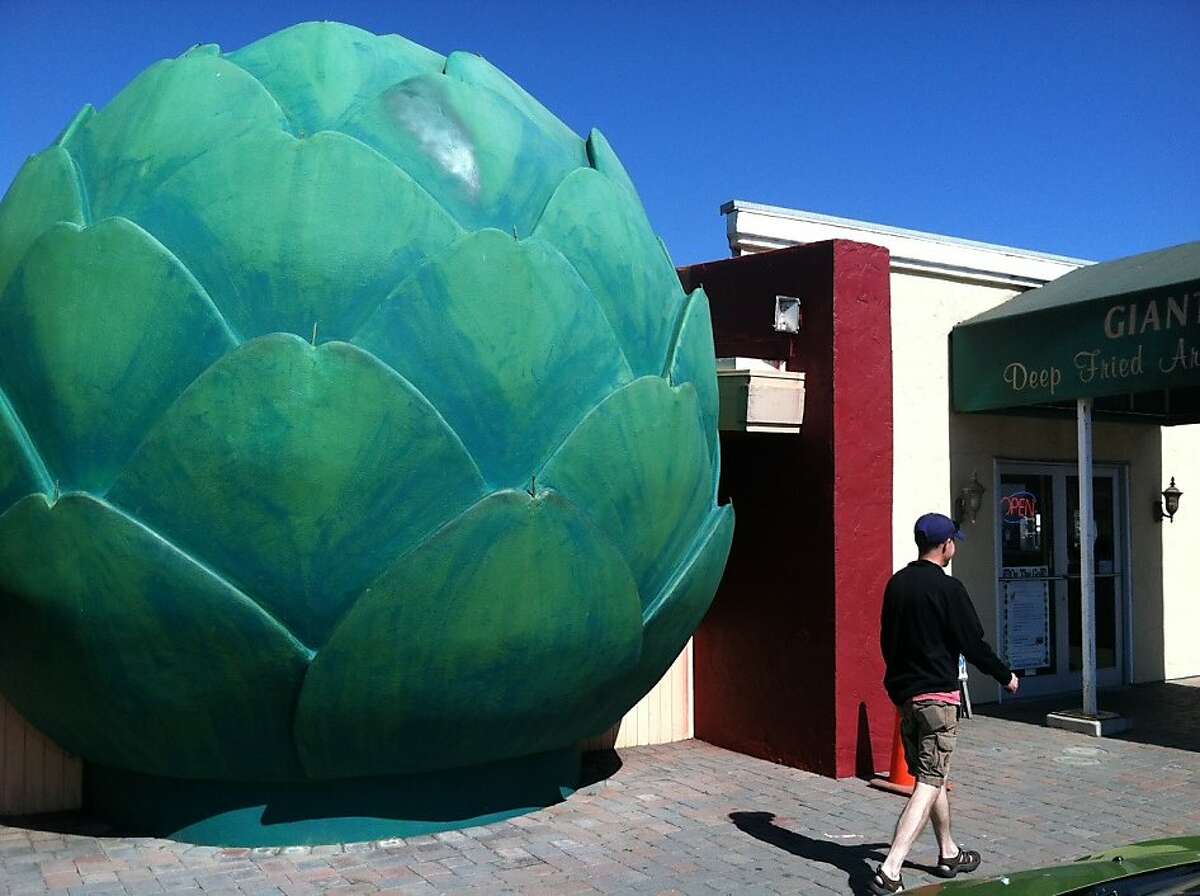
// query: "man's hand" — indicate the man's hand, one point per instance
point(1013, 684)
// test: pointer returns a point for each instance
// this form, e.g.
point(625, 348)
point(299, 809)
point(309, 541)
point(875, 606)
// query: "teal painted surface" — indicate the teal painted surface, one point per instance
point(340, 811)
point(620, 259)
point(295, 471)
point(288, 260)
point(463, 330)
point(353, 423)
point(45, 191)
point(671, 618)
point(94, 403)
point(121, 644)
point(691, 362)
point(639, 462)
point(294, 65)
point(525, 610)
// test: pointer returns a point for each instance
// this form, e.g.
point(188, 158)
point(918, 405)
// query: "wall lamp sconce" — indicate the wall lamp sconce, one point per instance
point(969, 500)
point(1169, 506)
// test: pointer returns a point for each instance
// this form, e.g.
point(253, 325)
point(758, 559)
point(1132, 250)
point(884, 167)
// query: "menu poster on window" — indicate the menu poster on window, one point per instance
point(1027, 623)
point(1025, 572)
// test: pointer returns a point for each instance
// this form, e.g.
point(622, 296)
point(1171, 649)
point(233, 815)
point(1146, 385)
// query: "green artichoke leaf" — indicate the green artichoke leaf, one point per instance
point(507, 343)
point(299, 472)
point(484, 161)
point(603, 232)
point(602, 157)
point(44, 192)
point(694, 360)
point(109, 631)
point(101, 329)
point(320, 70)
point(473, 69)
point(288, 234)
point(21, 468)
point(494, 639)
point(175, 111)
point(639, 464)
point(673, 616)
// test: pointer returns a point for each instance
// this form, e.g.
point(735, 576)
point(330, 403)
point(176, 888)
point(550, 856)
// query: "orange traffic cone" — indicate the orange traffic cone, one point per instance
point(899, 779)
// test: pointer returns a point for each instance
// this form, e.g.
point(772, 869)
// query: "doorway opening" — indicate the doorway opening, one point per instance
point(1038, 575)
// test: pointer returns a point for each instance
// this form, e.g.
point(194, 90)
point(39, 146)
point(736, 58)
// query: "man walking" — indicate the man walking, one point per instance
point(928, 620)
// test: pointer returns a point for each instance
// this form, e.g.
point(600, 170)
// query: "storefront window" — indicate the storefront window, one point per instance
point(1027, 536)
point(1104, 566)
point(1026, 505)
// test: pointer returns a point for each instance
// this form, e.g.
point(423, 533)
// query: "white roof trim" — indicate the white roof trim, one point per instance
point(754, 228)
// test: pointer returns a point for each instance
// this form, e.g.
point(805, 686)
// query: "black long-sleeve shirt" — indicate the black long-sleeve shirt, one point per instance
point(928, 620)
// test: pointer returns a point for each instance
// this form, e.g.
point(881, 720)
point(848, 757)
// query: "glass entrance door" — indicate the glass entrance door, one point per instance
point(1040, 633)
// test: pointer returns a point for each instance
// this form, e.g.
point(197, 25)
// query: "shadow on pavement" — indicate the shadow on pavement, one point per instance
point(858, 861)
point(597, 766)
point(74, 823)
point(1165, 714)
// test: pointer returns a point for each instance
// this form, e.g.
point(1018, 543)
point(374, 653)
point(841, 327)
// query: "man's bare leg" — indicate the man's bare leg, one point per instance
point(909, 826)
point(939, 814)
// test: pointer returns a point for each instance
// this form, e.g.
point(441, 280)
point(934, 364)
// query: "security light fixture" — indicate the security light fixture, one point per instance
point(787, 314)
point(1169, 505)
point(969, 500)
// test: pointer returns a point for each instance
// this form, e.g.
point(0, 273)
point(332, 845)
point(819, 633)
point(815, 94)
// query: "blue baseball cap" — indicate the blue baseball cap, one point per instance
point(934, 528)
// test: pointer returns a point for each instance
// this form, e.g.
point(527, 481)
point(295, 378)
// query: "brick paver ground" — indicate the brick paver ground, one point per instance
point(693, 819)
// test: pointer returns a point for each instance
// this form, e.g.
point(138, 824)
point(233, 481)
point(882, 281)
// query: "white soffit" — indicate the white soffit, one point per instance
point(755, 228)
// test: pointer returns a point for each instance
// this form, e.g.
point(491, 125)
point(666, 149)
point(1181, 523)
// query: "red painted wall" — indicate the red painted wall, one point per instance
point(787, 663)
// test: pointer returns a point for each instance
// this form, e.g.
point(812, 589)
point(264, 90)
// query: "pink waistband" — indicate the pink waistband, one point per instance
point(952, 697)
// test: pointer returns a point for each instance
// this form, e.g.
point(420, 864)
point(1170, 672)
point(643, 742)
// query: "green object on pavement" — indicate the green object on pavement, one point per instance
point(1093, 875)
point(354, 426)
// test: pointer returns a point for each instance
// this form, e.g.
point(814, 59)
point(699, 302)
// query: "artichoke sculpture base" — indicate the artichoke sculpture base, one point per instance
point(221, 813)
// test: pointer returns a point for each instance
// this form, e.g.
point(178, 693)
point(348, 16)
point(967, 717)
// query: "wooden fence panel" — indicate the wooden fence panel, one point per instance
point(663, 716)
point(35, 775)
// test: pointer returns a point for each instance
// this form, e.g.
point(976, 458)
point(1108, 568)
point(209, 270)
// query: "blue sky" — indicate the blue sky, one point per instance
point(1071, 128)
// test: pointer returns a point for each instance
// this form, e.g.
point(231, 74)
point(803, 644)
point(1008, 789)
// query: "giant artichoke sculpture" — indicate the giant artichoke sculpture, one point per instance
point(353, 422)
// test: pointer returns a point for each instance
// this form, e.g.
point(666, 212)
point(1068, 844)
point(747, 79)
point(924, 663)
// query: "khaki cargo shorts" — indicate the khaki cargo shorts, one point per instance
point(929, 731)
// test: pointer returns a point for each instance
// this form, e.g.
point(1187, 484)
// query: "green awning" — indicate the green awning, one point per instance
point(1125, 332)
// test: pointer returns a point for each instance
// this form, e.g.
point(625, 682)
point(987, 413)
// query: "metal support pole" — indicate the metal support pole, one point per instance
point(1087, 578)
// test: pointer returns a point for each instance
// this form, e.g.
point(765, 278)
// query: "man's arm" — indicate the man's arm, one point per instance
point(887, 637)
point(967, 634)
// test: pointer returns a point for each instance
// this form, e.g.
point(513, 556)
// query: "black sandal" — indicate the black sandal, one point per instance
point(882, 885)
point(967, 860)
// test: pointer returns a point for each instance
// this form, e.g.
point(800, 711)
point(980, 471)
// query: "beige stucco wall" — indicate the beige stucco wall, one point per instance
point(936, 452)
point(1181, 557)
point(924, 309)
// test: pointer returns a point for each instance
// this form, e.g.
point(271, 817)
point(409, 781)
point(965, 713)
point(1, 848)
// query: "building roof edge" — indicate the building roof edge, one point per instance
point(742, 205)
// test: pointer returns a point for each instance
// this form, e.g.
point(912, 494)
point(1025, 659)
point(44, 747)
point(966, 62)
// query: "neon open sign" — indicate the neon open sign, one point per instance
point(1018, 506)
